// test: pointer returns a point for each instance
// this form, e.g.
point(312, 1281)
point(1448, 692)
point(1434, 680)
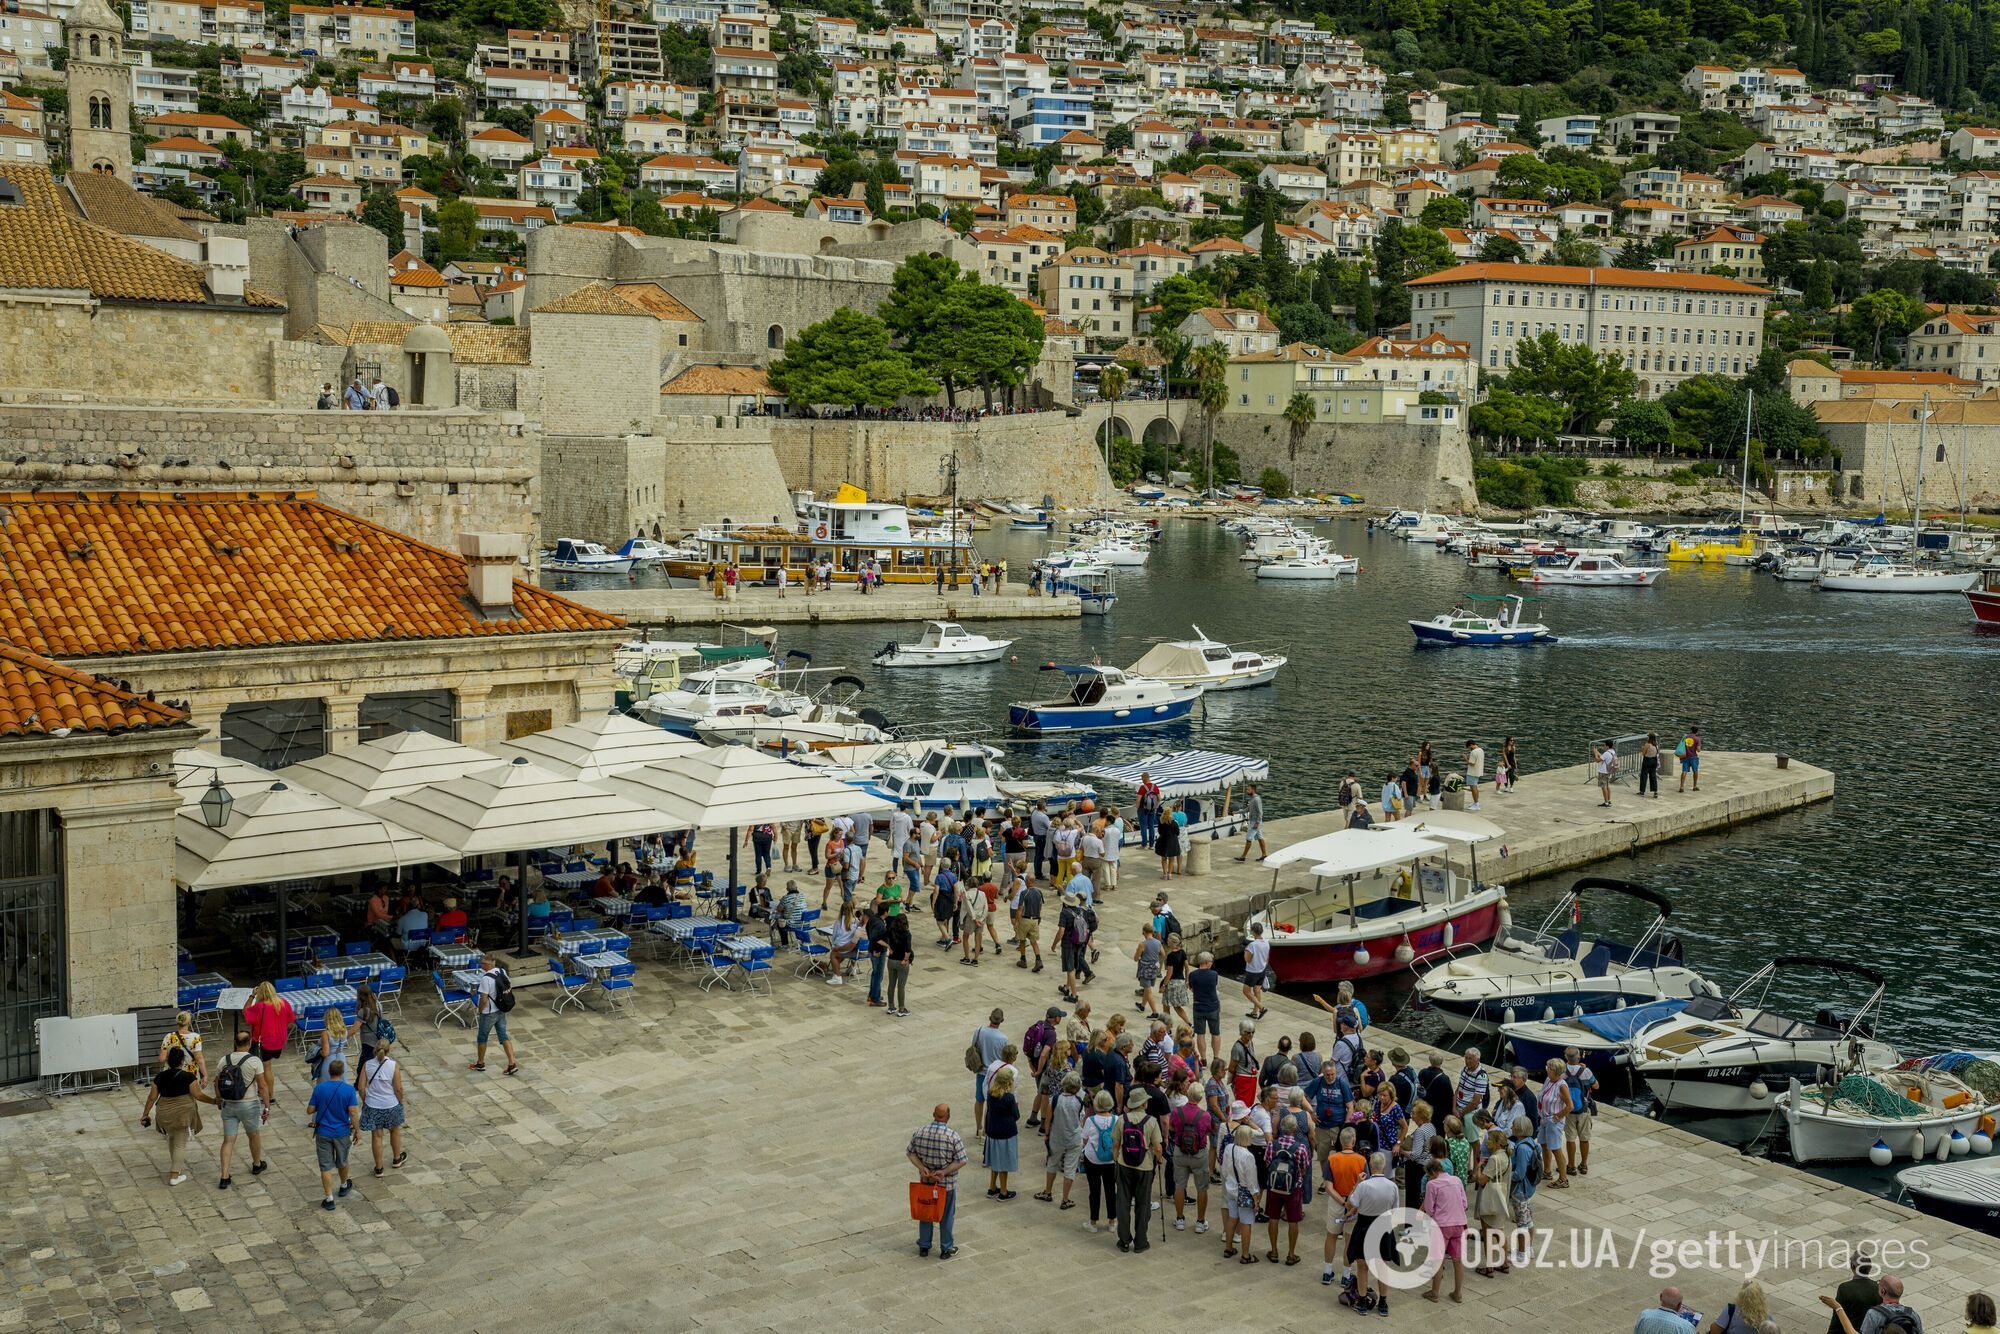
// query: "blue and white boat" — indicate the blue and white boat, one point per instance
point(1604, 1041)
point(945, 776)
point(1103, 699)
point(573, 555)
point(1558, 973)
point(1089, 584)
point(1460, 626)
point(1036, 521)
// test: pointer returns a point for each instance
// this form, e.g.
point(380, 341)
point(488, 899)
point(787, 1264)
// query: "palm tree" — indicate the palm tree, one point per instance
point(1171, 347)
point(1299, 414)
point(1110, 388)
point(1211, 377)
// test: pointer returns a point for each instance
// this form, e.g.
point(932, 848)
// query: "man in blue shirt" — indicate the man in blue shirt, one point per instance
point(1079, 885)
point(1666, 1318)
point(1204, 987)
point(336, 1114)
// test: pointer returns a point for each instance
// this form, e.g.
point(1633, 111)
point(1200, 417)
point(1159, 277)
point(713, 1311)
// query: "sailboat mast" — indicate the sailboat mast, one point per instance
point(1917, 512)
point(1743, 485)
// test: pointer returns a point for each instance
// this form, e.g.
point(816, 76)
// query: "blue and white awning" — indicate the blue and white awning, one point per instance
point(1183, 773)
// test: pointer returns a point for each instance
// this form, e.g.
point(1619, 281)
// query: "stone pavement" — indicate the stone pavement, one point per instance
point(735, 1162)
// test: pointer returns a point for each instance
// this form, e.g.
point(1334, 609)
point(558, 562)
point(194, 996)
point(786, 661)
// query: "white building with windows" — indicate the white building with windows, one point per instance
point(1666, 327)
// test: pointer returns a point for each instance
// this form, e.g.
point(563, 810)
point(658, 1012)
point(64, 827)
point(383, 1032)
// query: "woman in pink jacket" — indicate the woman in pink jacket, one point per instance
point(1444, 1203)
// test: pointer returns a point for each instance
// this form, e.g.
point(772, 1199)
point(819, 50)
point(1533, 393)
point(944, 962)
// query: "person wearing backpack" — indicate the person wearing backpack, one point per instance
point(1191, 1139)
point(1138, 1151)
point(1074, 933)
point(241, 1104)
point(1287, 1161)
point(1100, 1149)
point(496, 1002)
point(1524, 1156)
point(1891, 1316)
point(1580, 1083)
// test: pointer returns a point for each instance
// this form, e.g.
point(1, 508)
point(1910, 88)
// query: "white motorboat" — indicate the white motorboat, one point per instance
point(946, 776)
point(1327, 565)
point(573, 555)
point(824, 722)
point(1879, 574)
point(1560, 973)
point(1603, 1041)
point(943, 644)
point(645, 553)
point(1595, 570)
point(715, 694)
point(1731, 1055)
point(1967, 1194)
point(1863, 1114)
point(1202, 661)
point(1103, 699)
point(1119, 553)
point(1379, 898)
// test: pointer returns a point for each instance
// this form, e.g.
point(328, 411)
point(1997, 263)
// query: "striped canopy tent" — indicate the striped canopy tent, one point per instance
point(387, 767)
point(599, 747)
point(1183, 773)
point(730, 787)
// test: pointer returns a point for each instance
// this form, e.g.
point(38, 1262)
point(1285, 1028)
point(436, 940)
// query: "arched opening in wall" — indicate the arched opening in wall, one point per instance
point(1645, 388)
point(935, 255)
point(774, 337)
point(94, 50)
point(826, 245)
point(103, 168)
point(1161, 431)
point(878, 230)
point(1119, 426)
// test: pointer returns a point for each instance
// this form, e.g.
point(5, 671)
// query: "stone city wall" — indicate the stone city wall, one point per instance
point(999, 458)
point(1880, 460)
point(1385, 463)
point(67, 347)
point(690, 471)
point(431, 475)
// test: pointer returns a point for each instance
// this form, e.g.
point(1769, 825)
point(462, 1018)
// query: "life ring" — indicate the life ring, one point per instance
point(820, 532)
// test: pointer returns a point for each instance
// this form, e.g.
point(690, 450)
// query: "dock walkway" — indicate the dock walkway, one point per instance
point(902, 603)
point(1552, 819)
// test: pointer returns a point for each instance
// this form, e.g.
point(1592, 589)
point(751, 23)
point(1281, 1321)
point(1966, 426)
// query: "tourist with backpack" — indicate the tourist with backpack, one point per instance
point(1074, 930)
point(1038, 1044)
point(1287, 1161)
point(1100, 1146)
point(1891, 1316)
point(988, 1041)
point(1138, 1152)
point(1062, 1136)
point(1524, 1174)
point(496, 1002)
point(237, 1099)
point(1191, 1141)
point(1239, 1189)
point(1580, 1083)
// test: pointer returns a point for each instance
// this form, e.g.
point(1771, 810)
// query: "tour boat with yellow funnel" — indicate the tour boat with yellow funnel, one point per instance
point(1379, 898)
point(849, 531)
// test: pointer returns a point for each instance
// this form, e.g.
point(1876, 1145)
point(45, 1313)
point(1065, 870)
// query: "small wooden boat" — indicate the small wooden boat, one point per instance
point(943, 644)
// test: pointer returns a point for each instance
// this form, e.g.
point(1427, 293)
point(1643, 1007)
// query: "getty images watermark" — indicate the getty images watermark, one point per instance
point(1419, 1246)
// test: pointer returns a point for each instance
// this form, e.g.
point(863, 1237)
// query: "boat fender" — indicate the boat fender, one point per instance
point(1508, 1016)
point(1960, 1145)
point(1619, 1004)
point(1283, 928)
point(1759, 1090)
point(1361, 957)
point(1548, 1014)
point(1943, 1153)
point(1458, 968)
point(1880, 1154)
point(1450, 933)
point(1576, 1012)
point(1404, 953)
point(1982, 1143)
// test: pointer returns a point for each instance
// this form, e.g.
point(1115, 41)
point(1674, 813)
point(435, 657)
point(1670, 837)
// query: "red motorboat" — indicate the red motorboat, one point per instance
point(1985, 597)
point(1379, 899)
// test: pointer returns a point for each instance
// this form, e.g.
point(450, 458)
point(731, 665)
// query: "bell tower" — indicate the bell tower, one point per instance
point(100, 92)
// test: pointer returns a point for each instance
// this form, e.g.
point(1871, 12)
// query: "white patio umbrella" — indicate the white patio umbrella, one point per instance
point(377, 770)
point(727, 787)
point(595, 748)
point(196, 771)
point(514, 806)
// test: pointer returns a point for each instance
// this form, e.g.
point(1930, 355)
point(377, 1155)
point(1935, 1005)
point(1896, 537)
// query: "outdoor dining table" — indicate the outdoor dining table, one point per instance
point(612, 940)
point(302, 1002)
point(571, 879)
point(353, 904)
point(600, 962)
point(194, 988)
point(614, 907)
point(347, 963)
point(455, 956)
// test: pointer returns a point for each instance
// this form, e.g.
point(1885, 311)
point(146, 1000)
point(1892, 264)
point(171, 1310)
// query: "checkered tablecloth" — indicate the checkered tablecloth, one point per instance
point(600, 963)
point(455, 956)
point(312, 998)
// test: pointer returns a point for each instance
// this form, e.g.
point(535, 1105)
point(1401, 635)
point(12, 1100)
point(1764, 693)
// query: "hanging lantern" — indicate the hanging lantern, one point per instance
point(216, 803)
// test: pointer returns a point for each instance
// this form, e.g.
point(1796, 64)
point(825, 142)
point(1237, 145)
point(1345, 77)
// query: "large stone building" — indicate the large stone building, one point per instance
point(1963, 345)
point(86, 848)
point(1666, 327)
point(291, 628)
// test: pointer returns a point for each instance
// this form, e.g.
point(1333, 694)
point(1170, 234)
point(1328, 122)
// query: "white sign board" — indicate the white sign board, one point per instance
point(95, 1042)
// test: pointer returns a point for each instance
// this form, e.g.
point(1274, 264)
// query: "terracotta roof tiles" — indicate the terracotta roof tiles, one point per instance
point(38, 696)
point(718, 380)
point(1569, 275)
point(591, 299)
point(88, 574)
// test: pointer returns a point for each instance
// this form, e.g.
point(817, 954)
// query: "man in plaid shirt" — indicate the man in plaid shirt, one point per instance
point(938, 1153)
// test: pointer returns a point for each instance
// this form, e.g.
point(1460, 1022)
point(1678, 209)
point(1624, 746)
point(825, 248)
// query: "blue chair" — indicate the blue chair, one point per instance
point(352, 975)
point(676, 911)
point(324, 949)
point(447, 935)
point(326, 979)
point(313, 1021)
point(618, 943)
point(454, 1001)
point(812, 956)
point(615, 984)
point(719, 963)
point(578, 865)
point(590, 947)
point(755, 967)
point(357, 947)
point(549, 868)
point(285, 984)
point(389, 987)
point(569, 987)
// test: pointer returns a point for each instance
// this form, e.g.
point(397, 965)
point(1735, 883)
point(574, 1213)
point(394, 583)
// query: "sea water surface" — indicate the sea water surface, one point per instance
point(1895, 695)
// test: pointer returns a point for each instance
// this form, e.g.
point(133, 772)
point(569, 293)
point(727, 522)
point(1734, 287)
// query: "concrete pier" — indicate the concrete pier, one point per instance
point(1553, 823)
point(697, 609)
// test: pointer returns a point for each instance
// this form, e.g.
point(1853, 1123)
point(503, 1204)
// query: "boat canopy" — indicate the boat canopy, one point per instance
point(1455, 827)
point(1356, 851)
point(1084, 669)
point(1178, 658)
point(718, 653)
point(1183, 773)
point(1623, 1025)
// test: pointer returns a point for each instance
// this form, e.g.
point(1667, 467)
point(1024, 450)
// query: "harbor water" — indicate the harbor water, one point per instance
point(1894, 694)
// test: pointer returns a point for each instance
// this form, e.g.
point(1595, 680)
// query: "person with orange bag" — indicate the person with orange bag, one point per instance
point(938, 1154)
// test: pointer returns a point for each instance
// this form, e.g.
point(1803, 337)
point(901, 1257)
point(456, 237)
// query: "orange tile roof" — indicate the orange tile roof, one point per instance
point(597, 298)
point(38, 696)
point(1902, 377)
point(44, 246)
point(718, 380)
point(656, 301)
point(87, 574)
point(1568, 275)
